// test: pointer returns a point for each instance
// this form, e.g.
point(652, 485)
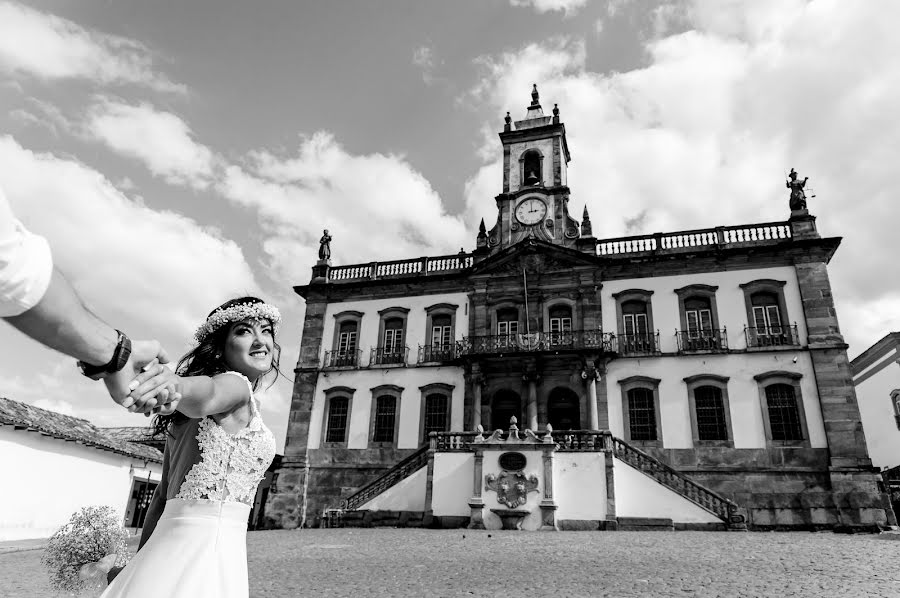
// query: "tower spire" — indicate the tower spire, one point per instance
point(586, 229)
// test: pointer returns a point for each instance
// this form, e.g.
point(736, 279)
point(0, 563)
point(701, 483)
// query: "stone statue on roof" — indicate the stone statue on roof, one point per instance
point(325, 246)
point(798, 196)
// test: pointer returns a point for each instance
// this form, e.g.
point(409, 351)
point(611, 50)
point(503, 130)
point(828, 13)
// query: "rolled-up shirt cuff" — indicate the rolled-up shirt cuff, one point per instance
point(26, 267)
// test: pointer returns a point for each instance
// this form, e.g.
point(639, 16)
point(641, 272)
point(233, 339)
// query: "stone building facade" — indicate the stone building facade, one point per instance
point(717, 352)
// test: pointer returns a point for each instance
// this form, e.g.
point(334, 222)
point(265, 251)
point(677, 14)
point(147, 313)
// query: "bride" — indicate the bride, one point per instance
point(217, 450)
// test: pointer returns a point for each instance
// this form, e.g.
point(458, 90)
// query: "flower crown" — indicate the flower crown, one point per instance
point(236, 313)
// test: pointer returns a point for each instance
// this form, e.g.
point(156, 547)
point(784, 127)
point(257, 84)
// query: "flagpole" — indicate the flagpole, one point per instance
point(525, 281)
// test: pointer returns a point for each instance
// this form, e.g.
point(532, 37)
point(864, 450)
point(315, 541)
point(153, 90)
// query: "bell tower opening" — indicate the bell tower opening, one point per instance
point(532, 168)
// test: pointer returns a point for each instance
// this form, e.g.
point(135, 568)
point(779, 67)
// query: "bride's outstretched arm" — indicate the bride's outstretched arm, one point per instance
point(198, 396)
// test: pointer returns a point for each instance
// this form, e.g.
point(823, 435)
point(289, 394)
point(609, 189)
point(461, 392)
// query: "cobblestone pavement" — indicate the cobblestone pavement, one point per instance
point(391, 562)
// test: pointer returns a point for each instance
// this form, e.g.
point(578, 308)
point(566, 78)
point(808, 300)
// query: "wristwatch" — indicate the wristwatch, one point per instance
point(118, 361)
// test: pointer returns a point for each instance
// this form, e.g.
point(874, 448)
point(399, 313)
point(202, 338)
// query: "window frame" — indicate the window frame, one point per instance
point(648, 383)
point(645, 297)
point(720, 382)
point(775, 287)
point(337, 392)
point(770, 378)
point(439, 309)
point(385, 390)
point(430, 389)
point(703, 291)
point(339, 320)
point(384, 315)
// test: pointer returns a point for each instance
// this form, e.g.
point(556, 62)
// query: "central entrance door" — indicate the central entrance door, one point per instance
point(563, 409)
point(506, 404)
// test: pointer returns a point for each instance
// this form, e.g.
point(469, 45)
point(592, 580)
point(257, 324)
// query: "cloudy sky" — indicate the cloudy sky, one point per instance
point(178, 153)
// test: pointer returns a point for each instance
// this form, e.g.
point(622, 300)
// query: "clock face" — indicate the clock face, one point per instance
point(531, 211)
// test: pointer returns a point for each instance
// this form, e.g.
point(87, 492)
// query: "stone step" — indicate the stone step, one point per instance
point(645, 524)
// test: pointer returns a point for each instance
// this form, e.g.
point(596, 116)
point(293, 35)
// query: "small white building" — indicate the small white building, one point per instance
point(876, 376)
point(51, 465)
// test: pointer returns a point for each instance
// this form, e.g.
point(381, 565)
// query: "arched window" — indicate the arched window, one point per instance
point(784, 414)
point(338, 417)
point(563, 410)
point(710, 412)
point(437, 412)
point(641, 414)
point(531, 168)
point(385, 419)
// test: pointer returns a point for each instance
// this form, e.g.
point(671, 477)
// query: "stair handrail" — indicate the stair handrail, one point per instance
point(388, 479)
point(703, 497)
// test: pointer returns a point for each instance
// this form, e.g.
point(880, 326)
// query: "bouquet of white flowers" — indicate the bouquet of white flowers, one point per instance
point(81, 552)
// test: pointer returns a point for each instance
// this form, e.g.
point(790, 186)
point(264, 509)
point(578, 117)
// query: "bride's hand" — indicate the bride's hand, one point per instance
point(157, 382)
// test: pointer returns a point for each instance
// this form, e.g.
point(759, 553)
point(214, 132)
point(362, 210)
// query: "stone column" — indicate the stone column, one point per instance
point(548, 505)
point(532, 377)
point(477, 380)
point(476, 503)
point(590, 374)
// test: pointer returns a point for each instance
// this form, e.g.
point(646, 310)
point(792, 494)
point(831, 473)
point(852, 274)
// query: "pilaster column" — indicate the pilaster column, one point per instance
point(548, 505)
point(532, 378)
point(476, 503)
point(476, 378)
point(590, 374)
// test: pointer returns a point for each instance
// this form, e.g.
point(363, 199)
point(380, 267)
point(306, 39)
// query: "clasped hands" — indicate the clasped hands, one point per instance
point(129, 387)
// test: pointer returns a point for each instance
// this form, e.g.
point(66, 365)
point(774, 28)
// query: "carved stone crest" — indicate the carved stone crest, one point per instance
point(512, 488)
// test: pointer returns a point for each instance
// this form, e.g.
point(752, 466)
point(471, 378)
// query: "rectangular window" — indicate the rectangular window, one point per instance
point(507, 328)
point(393, 340)
point(347, 343)
point(784, 417)
point(711, 424)
point(767, 319)
point(641, 414)
point(385, 417)
point(441, 337)
point(435, 414)
point(699, 322)
point(560, 324)
point(338, 412)
point(635, 324)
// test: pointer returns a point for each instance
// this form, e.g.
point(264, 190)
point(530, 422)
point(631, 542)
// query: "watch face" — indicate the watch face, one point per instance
point(531, 211)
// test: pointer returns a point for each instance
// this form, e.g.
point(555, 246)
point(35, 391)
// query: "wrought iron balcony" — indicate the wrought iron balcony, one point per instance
point(702, 341)
point(773, 336)
point(536, 342)
point(437, 353)
point(643, 343)
point(342, 359)
point(388, 356)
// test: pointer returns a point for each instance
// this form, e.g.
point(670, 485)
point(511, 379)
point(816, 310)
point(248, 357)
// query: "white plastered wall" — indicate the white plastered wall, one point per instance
point(43, 480)
point(452, 484)
point(410, 378)
point(640, 496)
point(579, 485)
point(740, 368)
point(407, 495)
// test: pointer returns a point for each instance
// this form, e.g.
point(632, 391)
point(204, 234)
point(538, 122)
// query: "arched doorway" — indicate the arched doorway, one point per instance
point(506, 404)
point(563, 409)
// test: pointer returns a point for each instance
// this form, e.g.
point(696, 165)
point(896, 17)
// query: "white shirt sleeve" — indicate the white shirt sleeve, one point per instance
point(26, 264)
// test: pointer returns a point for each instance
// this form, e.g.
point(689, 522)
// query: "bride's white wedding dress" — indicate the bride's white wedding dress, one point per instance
point(199, 546)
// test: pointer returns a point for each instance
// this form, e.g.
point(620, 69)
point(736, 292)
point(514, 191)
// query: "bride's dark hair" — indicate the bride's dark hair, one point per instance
point(206, 359)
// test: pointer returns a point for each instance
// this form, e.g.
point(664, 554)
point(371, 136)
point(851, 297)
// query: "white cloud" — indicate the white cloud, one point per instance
point(50, 47)
point(423, 57)
point(542, 6)
point(703, 134)
point(375, 206)
point(161, 140)
point(159, 272)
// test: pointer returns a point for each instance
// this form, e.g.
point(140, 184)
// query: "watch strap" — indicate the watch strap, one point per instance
point(120, 357)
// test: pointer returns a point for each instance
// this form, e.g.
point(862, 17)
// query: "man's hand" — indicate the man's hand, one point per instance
point(142, 353)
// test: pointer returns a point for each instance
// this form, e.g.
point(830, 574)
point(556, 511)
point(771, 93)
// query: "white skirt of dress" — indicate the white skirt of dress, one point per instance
point(198, 550)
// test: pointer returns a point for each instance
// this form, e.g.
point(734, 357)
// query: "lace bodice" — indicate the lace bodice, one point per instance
point(231, 465)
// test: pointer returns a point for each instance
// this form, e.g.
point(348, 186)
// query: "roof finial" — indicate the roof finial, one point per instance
point(534, 95)
point(555, 114)
point(586, 228)
point(507, 122)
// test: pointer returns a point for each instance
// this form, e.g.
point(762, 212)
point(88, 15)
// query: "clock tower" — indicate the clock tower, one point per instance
point(535, 198)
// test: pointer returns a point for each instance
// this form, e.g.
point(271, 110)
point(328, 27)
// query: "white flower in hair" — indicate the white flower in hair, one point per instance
point(237, 313)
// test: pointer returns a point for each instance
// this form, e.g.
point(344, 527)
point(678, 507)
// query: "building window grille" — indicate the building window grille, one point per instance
point(338, 412)
point(385, 418)
point(711, 424)
point(784, 415)
point(641, 414)
point(436, 413)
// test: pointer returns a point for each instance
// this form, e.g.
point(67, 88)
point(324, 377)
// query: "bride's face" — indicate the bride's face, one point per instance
point(249, 346)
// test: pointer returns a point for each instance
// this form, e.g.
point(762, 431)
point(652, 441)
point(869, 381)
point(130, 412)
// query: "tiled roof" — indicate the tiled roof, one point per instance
point(65, 427)
point(142, 434)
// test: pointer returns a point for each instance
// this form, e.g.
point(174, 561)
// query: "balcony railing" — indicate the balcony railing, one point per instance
point(437, 353)
point(638, 344)
point(342, 359)
point(695, 341)
point(536, 342)
point(689, 240)
point(772, 336)
point(388, 356)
